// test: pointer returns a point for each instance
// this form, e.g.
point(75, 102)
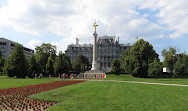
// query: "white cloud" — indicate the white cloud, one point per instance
point(74, 18)
point(33, 43)
point(174, 13)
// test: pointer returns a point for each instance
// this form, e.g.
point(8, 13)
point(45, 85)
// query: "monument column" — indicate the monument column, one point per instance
point(95, 67)
point(94, 63)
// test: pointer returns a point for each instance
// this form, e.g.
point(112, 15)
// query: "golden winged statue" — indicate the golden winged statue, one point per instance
point(95, 25)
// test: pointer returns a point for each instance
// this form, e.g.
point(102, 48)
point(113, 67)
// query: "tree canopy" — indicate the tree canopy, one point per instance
point(155, 68)
point(16, 64)
point(2, 61)
point(116, 67)
point(170, 57)
point(181, 65)
point(81, 64)
point(136, 60)
point(62, 63)
point(33, 65)
point(49, 66)
point(42, 54)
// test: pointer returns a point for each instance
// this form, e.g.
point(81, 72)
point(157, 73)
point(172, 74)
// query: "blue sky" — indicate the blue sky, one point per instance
point(163, 23)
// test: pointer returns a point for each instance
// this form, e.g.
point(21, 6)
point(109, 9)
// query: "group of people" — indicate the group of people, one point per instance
point(96, 76)
point(35, 75)
point(63, 76)
point(72, 76)
point(101, 76)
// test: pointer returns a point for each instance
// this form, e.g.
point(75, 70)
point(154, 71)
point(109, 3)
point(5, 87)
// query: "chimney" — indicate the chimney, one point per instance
point(77, 41)
point(118, 40)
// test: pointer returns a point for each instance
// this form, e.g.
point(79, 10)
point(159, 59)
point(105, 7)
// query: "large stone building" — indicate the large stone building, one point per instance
point(7, 46)
point(108, 48)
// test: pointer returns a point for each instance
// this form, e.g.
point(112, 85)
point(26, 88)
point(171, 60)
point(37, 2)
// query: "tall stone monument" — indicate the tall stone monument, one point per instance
point(94, 63)
point(95, 67)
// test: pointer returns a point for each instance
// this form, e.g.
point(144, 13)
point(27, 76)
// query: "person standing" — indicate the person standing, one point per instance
point(35, 75)
point(41, 75)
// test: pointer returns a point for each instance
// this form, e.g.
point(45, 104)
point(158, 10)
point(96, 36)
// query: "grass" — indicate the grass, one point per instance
point(110, 96)
point(6, 82)
point(114, 96)
point(127, 77)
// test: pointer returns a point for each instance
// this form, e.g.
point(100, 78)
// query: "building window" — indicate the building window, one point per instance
point(101, 64)
point(101, 58)
point(109, 58)
point(98, 58)
point(109, 64)
point(105, 58)
point(105, 64)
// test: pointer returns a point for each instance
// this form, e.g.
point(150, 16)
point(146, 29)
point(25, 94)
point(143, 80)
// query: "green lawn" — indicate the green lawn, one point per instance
point(126, 77)
point(114, 96)
point(6, 82)
point(110, 96)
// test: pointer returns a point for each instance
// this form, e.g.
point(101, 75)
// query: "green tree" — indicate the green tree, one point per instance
point(80, 64)
point(116, 67)
point(155, 69)
point(170, 57)
point(137, 59)
point(185, 64)
point(124, 61)
point(49, 66)
point(33, 65)
point(178, 67)
point(2, 61)
point(42, 54)
point(62, 63)
point(181, 65)
point(16, 64)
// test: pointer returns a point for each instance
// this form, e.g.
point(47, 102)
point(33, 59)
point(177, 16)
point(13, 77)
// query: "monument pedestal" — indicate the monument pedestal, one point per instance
point(91, 74)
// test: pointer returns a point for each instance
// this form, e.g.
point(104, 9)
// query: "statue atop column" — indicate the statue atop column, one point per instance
point(95, 25)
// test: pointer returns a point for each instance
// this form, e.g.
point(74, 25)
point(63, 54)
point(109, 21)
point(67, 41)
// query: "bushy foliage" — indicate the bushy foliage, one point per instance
point(16, 64)
point(33, 65)
point(136, 60)
point(116, 66)
point(170, 57)
point(81, 64)
point(49, 66)
point(42, 54)
point(155, 69)
point(2, 61)
point(62, 64)
point(181, 65)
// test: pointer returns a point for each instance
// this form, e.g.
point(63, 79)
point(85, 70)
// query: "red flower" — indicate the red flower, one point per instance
point(16, 98)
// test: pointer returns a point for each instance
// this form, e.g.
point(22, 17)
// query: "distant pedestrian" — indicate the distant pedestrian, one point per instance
point(85, 76)
point(32, 75)
point(41, 75)
point(66, 75)
point(97, 76)
point(63, 75)
point(35, 75)
point(71, 76)
point(58, 76)
point(50, 76)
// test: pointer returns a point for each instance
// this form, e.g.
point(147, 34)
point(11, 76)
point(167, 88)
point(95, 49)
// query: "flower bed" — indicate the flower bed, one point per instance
point(16, 98)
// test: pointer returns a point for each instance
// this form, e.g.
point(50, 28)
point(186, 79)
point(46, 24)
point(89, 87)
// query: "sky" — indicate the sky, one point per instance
point(163, 23)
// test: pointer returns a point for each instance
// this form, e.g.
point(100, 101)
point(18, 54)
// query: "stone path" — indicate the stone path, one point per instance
point(143, 82)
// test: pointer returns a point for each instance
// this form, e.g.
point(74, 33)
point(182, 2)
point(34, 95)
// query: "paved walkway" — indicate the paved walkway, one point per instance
point(141, 82)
